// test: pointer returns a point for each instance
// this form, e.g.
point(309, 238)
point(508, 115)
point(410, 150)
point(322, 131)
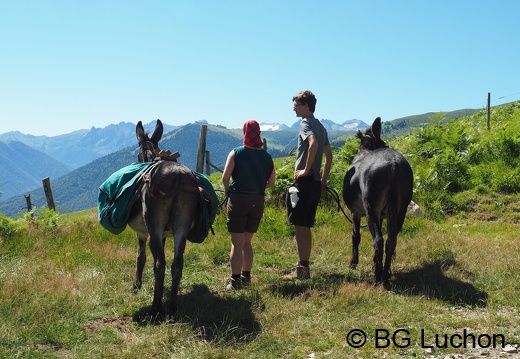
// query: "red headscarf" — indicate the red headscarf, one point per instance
point(252, 134)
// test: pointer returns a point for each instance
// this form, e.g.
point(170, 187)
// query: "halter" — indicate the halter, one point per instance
point(372, 140)
point(146, 154)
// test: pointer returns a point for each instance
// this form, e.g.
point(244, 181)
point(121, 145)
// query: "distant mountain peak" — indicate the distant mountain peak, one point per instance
point(273, 127)
point(349, 125)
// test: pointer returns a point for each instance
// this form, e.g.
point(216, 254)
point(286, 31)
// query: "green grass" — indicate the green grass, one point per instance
point(65, 286)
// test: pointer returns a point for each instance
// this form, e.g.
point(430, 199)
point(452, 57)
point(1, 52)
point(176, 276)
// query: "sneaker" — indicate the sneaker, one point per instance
point(234, 285)
point(299, 272)
point(245, 281)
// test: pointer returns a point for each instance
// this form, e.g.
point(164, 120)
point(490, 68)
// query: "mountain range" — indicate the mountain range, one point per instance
point(350, 125)
point(25, 160)
point(78, 162)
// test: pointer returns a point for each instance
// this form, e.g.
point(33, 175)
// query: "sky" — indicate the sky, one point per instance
point(67, 65)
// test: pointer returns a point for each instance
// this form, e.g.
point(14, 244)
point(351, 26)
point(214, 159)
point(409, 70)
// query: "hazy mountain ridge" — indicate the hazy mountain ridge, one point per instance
point(78, 189)
point(23, 168)
point(83, 146)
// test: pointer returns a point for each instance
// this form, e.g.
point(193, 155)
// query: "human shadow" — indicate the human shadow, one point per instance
point(430, 280)
point(321, 282)
point(290, 290)
point(228, 319)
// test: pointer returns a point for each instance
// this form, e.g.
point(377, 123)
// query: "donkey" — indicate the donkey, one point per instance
point(378, 184)
point(167, 205)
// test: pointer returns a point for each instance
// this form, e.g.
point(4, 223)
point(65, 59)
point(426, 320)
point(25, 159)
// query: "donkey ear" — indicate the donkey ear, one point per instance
point(376, 128)
point(139, 130)
point(157, 133)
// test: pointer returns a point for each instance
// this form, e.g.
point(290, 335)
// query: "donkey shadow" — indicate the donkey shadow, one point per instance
point(430, 281)
point(214, 318)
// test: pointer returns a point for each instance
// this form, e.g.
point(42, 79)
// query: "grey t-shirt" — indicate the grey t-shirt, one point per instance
point(311, 126)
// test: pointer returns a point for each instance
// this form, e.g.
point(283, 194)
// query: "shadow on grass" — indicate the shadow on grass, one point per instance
point(225, 320)
point(326, 283)
point(430, 280)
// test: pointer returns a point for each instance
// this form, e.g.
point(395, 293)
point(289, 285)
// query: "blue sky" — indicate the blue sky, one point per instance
point(69, 65)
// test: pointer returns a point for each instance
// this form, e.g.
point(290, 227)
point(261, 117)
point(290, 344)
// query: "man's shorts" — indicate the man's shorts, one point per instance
point(309, 194)
point(244, 210)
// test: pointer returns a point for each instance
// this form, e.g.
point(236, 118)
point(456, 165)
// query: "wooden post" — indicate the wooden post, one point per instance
point(488, 117)
point(202, 148)
point(28, 201)
point(208, 161)
point(48, 193)
point(265, 143)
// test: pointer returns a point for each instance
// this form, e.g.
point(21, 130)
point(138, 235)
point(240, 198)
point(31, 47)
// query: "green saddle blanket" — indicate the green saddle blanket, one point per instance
point(208, 206)
point(115, 195)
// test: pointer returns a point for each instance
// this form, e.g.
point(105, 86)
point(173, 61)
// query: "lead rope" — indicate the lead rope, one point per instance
point(335, 195)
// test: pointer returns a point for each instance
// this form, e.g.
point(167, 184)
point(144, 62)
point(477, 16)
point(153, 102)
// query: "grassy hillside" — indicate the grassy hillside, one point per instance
point(402, 126)
point(66, 292)
point(463, 168)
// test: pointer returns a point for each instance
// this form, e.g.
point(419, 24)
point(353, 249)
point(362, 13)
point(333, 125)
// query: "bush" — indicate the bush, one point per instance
point(463, 156)
point(7, 227)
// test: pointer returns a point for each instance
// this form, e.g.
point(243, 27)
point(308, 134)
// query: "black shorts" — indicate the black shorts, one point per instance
point(309, 196)
point(244, 212)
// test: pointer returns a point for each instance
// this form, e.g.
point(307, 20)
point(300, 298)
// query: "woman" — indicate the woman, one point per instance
point(251, 168)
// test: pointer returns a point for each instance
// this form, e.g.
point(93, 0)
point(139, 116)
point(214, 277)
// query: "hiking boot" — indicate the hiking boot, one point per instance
point(234, 285)
point(245, 281)
point(299, 272)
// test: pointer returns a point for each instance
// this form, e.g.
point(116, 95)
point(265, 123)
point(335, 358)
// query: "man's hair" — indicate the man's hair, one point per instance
point(306, 97)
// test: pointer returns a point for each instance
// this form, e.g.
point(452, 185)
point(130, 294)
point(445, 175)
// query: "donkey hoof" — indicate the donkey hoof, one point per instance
point(173, 316)
point(387, 285)
point(173, 313)
point(386, 275)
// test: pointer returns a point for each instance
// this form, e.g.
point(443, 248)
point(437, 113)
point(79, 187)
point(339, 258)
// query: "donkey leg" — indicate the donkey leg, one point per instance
point(356, 239)
point(176, 270)
point(374, 225)
point(157, 249)
point(394, 224)
point(140, 262)
point(390, 245)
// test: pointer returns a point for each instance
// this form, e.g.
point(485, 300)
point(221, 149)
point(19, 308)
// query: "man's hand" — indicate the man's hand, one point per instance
point(299, 173)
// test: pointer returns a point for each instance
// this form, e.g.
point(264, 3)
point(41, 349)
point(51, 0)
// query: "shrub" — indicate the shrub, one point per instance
point(7, 227)
point(463, 155)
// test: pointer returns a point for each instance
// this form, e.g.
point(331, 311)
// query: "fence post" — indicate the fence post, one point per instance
point(265, 143)
point(48, 193)
point(202, 148)
point(208, 161)
point(28, 201)
point(488, 117)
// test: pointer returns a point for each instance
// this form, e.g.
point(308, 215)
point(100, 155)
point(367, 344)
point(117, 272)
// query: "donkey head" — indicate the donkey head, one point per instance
point(371, 140)
point(147, 146)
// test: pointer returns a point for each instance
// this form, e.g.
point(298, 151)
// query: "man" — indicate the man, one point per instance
point(310, 181)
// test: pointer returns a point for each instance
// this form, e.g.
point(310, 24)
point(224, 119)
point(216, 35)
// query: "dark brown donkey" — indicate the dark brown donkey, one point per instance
point(378, 184)
point(168, 205)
